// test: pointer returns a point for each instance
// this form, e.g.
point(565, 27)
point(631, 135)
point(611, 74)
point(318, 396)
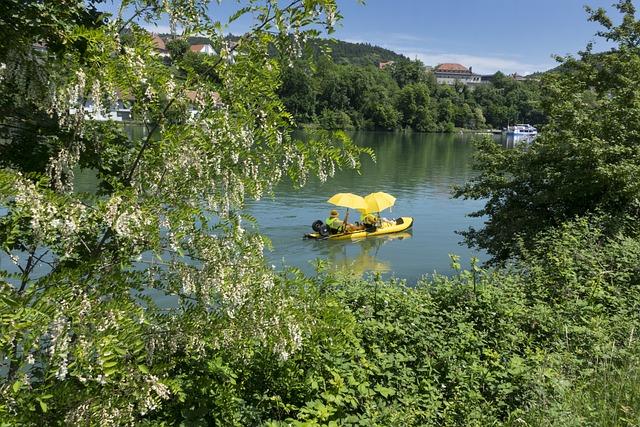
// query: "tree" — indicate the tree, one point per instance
point(586, 159)
point(407, 72)
point(384, 115)
point(177, 48)
point(84, 336)
point(297, 92)
point(414, 104)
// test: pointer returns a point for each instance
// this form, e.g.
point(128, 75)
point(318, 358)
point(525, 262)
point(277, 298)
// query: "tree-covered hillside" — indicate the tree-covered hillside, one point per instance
point(404, 95)
point(340, 52)
point(362, 54)
point(339, 85)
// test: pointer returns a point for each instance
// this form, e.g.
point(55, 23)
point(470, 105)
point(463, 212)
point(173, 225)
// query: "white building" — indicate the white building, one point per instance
point(449, 74)
point(117, 112)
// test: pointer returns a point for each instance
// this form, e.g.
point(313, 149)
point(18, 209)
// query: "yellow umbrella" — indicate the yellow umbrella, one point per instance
point(377, 202)
point(348, 200)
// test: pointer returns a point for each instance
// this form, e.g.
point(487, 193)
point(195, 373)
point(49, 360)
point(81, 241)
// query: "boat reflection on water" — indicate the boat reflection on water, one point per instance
point(512, 141)
point(341, 256)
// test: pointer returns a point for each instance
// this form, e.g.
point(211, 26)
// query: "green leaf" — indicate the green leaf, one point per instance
point(384, 391)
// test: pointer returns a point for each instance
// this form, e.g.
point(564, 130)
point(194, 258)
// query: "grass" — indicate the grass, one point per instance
point(609, 396)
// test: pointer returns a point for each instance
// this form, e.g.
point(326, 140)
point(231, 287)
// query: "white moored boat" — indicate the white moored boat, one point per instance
point(522, 130)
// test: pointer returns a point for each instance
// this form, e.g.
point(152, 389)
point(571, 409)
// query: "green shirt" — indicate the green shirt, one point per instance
point(334, 223)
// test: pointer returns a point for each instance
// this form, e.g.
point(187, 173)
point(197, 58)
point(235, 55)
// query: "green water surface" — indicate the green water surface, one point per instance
point(420, 171)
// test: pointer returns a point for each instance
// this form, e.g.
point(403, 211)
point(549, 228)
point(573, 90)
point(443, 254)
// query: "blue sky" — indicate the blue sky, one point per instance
point(490, 35)
point(508, 35)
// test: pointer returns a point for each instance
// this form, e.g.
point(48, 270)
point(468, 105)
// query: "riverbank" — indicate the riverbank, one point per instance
point(455, 130)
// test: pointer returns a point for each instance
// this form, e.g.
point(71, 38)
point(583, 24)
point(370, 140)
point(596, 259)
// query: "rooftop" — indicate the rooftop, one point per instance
point(197, 47)
point(448, 67)
point(158, 43)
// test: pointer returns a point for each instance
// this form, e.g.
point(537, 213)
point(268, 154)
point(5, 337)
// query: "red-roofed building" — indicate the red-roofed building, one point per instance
point(449, 74)
point(203, 48)
point(159, 46)
point(383, 65)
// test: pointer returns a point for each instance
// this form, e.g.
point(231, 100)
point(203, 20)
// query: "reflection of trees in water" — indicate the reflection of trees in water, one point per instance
point(404, 161)
point(366, 259)
point(411, 159)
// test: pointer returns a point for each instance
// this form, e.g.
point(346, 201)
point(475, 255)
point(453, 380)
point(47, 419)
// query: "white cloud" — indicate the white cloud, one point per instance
point(413, 47)
point(481, 64)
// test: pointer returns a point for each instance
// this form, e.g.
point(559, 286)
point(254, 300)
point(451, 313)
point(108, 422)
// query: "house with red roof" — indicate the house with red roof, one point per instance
point(449, 74)
point(203, 48)
point(159, 46)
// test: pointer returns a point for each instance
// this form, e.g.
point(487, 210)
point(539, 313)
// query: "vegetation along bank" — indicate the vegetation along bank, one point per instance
point(547, 336)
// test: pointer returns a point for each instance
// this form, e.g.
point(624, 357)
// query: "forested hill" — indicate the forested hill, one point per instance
point(341, 52)
point(356, 53)
point(346, 89)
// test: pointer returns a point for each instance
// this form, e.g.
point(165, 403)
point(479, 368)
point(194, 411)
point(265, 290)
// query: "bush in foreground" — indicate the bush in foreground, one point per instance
point(540, 341)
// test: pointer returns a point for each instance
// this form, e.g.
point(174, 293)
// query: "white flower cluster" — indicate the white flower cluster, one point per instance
point(61, 167)
point(127, 220)
point(70, 102)
point(53, 224)
point(290, 342)
point(108, 414)
point(155, 393)
point(57, 340)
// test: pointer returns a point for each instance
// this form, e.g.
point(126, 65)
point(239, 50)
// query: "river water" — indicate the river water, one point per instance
point(420, 171)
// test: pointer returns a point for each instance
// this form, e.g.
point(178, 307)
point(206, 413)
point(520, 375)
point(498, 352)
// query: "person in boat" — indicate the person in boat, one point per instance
point(369, 222)
point(368, 219)
point(336, 225)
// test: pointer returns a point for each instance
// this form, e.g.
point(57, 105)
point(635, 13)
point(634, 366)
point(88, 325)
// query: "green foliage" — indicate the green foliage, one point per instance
point(586, 159)
point(359, 54)
point(408, 72)
point(402, 96)
point(414, 105)
point(103, 296)
point(335, 120)
point(177, 48)
point(541, 340)
point(605, 396)
point(297, 93)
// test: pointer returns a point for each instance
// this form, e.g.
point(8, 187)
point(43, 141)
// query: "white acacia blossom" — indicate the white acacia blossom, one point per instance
point(165, 222)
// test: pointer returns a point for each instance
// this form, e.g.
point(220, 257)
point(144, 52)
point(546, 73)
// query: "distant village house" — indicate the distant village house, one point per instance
point(517, 77)
point(383, 65)
point(449, 74)
point(159, 46)
point(207, 49)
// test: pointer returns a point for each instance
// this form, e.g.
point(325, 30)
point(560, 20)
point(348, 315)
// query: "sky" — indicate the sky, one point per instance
point(489, 35)
point(512, 36)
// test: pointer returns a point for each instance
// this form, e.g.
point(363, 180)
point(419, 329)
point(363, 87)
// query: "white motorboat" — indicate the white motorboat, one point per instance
point(521, 130)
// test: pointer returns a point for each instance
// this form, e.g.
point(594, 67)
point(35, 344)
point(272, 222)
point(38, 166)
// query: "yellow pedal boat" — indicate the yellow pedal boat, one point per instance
point(394, 226)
